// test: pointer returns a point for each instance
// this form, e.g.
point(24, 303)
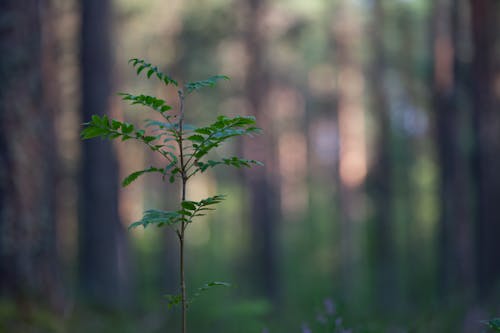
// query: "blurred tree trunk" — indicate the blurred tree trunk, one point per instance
point(104, 257)
point(486, 98)
point(379, 182)
point(260, 181)
point(408, 151)
point(29, 262)
point(455, 235)
point(352, 154)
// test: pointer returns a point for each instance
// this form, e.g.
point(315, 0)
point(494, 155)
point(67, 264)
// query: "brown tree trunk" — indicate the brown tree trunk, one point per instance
point(262, 191)
point(104, 274)
point(29, 265)
point(486, 103)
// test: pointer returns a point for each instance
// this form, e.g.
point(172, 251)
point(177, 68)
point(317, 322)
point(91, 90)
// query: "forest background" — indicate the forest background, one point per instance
point(380, 192)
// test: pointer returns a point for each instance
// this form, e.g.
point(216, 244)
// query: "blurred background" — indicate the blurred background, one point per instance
point(379, 201)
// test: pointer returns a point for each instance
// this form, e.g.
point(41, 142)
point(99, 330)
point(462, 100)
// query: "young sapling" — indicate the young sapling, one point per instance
point(184, 150)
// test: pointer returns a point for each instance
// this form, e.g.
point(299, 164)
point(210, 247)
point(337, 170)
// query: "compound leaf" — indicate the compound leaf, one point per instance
point(134, 175)
point(494, 324)
point(158, 217)
point(141, 64)
point(210, 82)
point(157, 104)
point(206, 287)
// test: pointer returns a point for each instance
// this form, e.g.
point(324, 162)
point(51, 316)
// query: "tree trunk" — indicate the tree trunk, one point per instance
point(379, 184)
point(104, 258)
point(455, 232)
point(262, 190)
point(486, 99)
point(351, 171)
point(29, 265)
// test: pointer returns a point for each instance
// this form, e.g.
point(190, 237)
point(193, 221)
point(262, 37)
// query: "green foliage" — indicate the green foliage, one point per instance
point(207, 287)
point(186, 213)
point(173, 300)
point(210, 82)
point(494, 324)
point(205, 139)
point(154, 103)
point(141, 65)
point(159, 218)
point(134, 175)
point(158, 136)
point(184, 149)
point(194, 208)
point(234, 161)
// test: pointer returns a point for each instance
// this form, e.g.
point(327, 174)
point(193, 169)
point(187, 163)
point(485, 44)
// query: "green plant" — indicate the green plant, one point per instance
point(185, 149)
point(494, 324)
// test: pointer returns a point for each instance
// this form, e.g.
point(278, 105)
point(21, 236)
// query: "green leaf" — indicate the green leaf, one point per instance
point(156, 104)
point(101, 127)
point(92, 132)
point(212, 200)
point(140, 68)
point(494, 324)
point(203, 130)
point(189, 205)
point(159, 217)
point(218, 283)
point(133, 176)
point(222, 129)
point(185, 212)
point(232, 161)
point(148, 138)
point(210, 82)
point(135, 225)
point(115, 124)
point(206, 287)
point(173, 300)
point(127, 128)
point(141, 64)
point(196, 138)
point(191, 209)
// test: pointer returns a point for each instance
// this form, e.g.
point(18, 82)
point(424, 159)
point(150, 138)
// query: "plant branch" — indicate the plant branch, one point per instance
point(184, 224)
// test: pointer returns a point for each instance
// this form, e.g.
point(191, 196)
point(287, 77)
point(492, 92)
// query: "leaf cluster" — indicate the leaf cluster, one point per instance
point(168, 138)
point(185, 214)
point(494, 324)
point(141, 65)
point(210, 82)
point(183, 147)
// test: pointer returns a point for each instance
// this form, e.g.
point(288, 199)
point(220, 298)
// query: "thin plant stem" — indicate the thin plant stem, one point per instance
point(183, 282)
point(183, 225)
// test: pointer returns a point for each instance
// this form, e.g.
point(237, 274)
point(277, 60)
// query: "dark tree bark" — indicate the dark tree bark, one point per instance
point(104, 258)
point(486, 107)
point(379, 183)
point(29, 265)
point(455, 233)
point(262, 190)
